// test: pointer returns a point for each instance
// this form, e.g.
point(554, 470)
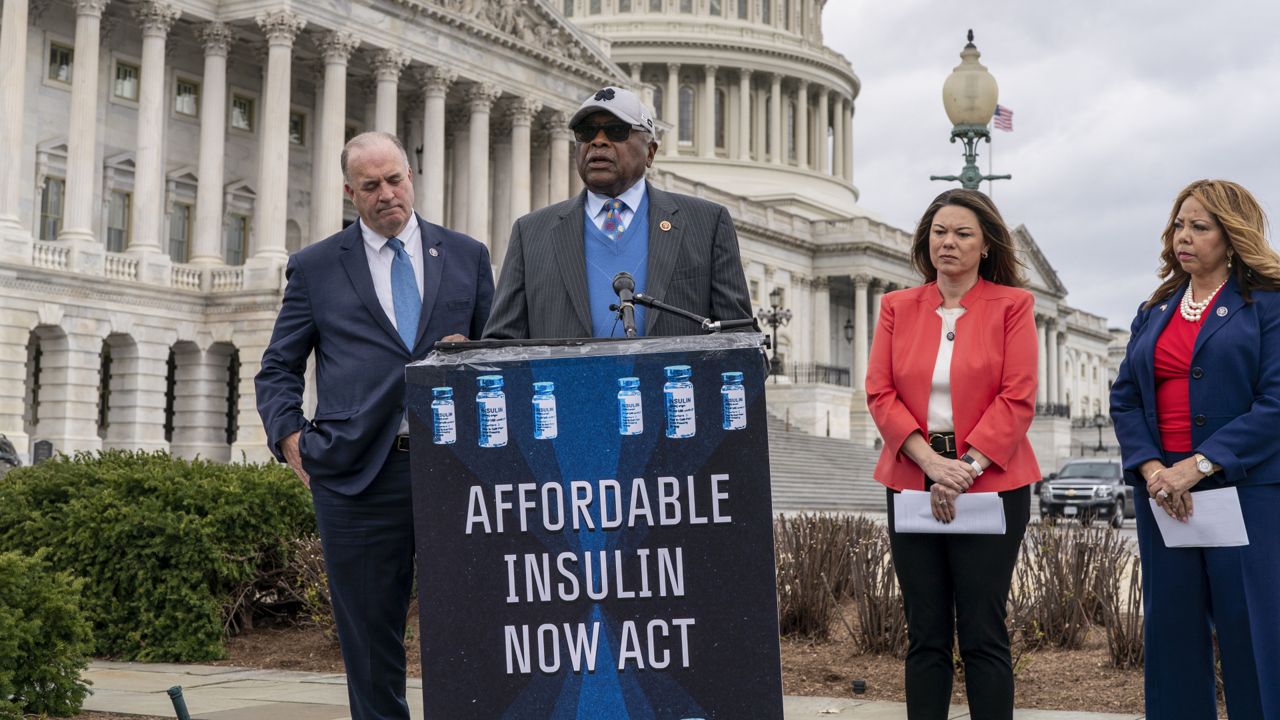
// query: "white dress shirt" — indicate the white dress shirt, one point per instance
point(380, 257)
point(940, 419)
point(630, 198)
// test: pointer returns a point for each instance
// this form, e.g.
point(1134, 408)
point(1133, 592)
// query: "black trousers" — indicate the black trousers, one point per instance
point(368, 554)
point(959, 584)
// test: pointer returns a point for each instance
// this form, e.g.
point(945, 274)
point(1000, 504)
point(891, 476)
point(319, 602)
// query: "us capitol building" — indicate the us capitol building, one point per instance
point(160, 160)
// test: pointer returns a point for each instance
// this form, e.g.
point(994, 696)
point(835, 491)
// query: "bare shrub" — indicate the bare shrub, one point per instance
point(1056, 591)
point(1122, 608)
point(812, 553)
point(882, 624)
point(308, 582)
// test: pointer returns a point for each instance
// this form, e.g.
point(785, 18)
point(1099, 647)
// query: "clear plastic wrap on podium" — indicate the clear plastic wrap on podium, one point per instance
point(594, 529)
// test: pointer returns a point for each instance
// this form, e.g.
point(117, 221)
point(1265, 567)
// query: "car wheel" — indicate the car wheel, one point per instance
point(1117, 515)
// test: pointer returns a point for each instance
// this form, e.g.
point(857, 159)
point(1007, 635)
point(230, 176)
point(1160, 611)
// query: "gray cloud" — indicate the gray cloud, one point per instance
point(1117, 106)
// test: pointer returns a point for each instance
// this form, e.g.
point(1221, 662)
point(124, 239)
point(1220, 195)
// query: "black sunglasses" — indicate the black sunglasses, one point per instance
point(615, 132)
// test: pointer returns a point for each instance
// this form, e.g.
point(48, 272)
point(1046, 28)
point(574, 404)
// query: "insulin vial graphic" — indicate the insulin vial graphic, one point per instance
point(444, 428)
point(733, 398)
point(630, 412)
point(544, 411)
point(678, 393)
point(491, 410)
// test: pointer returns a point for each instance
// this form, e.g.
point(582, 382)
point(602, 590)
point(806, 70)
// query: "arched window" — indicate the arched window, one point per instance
point(624, 6)
point(595, 7)
point(655, 6)
point(766, 15)
point(786, 14)
point(721, 99)
point(104, 389)
point(658, 92)
point(686, 6)
point(568, 8)
point(744, 9)
point(233, 396)
point(717, 8)
point(686, 114)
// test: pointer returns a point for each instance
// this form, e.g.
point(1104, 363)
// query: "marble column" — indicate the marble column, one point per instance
point(837, 154)
point(521, 113)
point(1050, 348)
point(779, 151)
point(271, 205)
point(13, 73)
point(155, 18)
point(336, 48)
point(480, 98)
point(460, 148)
point(847, 117)
point(1042, 386)
point(824, 122)
point(541, 169)
point(759, 124)
point(558, 128)
point(744, 115)
point(860, 284)
point(1060, 370)
point(206, 244)
point(69, 373)
point(802, 124)
point(387, 65)
point(707, 126)
point(435, 82)
point(671, 109)
point(877, 294)
point(635, 75)
point(200, 404)
point(82, 135)
point(822, 320)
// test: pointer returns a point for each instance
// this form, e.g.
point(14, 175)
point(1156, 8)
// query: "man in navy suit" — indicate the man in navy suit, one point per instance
point(367, 301)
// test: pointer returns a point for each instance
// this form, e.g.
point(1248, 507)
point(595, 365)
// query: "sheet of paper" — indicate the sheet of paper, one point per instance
point(976, 514)
point(1215, 521)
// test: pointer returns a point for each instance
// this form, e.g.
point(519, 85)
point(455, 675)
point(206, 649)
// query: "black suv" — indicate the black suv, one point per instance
point(1087, 489)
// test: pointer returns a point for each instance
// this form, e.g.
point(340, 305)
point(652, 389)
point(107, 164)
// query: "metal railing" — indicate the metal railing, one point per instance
point(821, 374)
point(1053, 409)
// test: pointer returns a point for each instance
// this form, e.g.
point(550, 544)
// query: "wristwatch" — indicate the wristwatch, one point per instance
point(1203, 465)
point(969, 459)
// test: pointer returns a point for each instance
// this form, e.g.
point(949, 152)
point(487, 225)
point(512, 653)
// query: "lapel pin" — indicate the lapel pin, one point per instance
point(1162, 307)
point(1222, 312)
point(664, 226)
point(433, 252)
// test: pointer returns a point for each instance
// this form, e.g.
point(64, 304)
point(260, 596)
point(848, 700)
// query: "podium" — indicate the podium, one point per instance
point(594, 530)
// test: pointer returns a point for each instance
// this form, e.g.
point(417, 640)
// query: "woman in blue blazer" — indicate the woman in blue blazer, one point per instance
point(1196, 405)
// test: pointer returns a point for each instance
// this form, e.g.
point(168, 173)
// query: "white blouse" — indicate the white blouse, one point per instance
point(940, 392)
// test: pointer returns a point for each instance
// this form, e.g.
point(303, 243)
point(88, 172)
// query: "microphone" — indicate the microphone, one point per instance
point(625, 286)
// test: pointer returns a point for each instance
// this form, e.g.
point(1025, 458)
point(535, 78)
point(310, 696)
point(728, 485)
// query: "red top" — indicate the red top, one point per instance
point(1172, 359)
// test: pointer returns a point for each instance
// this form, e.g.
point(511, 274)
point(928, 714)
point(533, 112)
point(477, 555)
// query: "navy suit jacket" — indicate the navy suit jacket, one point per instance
point(1234, 388)
point(330, 307)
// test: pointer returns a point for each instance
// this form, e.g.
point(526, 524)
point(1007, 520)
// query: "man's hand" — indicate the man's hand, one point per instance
point(289, 448)
point(456, 337)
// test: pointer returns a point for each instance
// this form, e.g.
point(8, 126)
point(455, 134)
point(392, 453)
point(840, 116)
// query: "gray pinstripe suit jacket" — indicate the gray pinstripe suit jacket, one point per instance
point(694, 265)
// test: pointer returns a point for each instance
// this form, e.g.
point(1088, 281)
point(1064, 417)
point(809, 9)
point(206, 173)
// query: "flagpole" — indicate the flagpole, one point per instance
point(991, 151)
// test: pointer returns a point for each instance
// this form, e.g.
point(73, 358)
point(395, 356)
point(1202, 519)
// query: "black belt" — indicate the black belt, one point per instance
point(401, 444)
point(942, 442)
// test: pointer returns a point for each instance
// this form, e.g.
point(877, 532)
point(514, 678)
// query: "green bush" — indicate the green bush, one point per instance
point(173, 552)
point(44, 639)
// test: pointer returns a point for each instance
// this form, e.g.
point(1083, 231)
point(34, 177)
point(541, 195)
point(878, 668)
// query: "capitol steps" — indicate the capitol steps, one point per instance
point(821, 474)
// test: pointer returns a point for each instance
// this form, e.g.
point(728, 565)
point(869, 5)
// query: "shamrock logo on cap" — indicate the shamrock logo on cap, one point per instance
point(605, 94)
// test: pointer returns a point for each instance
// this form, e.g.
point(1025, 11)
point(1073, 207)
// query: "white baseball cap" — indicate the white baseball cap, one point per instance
point(619, 102)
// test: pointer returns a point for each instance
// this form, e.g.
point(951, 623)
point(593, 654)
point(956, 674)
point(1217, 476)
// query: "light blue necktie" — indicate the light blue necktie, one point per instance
point(404, 293)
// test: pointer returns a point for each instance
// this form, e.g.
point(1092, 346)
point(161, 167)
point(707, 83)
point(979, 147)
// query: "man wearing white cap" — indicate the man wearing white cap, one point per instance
point(557, 278)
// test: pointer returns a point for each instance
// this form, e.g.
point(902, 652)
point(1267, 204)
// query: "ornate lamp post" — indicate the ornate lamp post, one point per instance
point(848, 331)
point(775, 317)
point(1099, 421)
point(969, 96)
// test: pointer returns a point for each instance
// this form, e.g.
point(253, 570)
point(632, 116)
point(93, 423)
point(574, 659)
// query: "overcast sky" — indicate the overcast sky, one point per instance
point(1117, 106)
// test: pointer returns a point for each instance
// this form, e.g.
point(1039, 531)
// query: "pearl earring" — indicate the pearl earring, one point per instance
point(1228, 261)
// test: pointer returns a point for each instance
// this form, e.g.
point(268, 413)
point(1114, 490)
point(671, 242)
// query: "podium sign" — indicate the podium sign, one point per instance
point(594, 530)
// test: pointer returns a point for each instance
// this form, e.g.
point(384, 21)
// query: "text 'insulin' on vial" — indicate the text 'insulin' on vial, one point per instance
point(491, 412)
point(678, 397)
point(630, 409)
point(444, 422)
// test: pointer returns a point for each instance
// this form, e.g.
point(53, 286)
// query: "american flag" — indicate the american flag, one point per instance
point(1003, 118)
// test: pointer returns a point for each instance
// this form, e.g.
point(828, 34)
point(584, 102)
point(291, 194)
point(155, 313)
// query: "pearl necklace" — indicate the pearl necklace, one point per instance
point(1192, 310)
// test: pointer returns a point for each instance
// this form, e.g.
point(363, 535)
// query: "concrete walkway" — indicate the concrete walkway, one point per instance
point(227, 693)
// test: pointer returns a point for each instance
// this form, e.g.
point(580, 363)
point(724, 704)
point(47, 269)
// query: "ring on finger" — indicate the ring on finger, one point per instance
point(1163, 494)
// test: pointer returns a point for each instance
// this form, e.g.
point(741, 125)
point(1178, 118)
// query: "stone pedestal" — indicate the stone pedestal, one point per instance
point(814, 409)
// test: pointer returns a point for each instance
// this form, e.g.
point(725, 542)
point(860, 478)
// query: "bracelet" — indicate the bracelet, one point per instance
point(1153, 475)
point(977, 468)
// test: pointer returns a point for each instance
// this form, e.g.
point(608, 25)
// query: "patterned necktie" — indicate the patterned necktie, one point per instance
point(613, 219)
point(404, 293)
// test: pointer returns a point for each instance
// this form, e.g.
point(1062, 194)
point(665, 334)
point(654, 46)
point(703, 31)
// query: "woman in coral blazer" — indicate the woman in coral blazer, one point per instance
point(951, 386)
